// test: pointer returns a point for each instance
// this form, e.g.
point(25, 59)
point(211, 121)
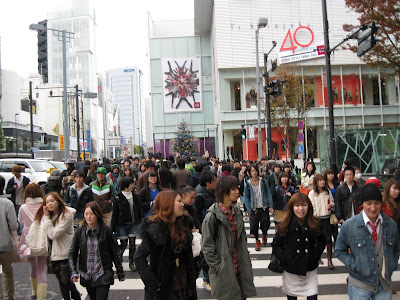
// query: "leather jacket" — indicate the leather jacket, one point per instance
point(107, 249)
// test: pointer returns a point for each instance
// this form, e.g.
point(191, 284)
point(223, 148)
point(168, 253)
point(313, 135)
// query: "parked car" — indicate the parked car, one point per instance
point(36, 170)
point(59, 165)
point(390, 165)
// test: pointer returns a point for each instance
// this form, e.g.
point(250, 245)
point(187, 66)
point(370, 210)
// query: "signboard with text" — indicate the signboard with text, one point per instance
point(299, 45)
point(62, 142)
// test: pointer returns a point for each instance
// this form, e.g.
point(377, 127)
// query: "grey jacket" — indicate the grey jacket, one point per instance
point(8, 223)
point(217, 240)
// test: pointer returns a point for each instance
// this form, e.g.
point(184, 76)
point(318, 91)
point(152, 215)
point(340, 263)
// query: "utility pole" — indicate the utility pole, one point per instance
point(332, 146)
point(31, 115)
point(77, 119)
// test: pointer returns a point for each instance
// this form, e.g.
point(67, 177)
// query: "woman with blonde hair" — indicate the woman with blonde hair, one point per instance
point(167, 239)
point(57, 221)
point(33, 199)
point(298, 244)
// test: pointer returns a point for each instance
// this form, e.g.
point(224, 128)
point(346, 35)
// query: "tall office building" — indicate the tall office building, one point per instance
point(126, 86)
point(81, 65)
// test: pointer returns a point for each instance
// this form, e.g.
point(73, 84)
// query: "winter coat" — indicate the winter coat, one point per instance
point(217, 245)
point(273, 180)
point(156, 243)
point(307, 180)
point(265, 194)
point(300, 250)
point(32, 205)
point(122, 211)
point(108, 251)
point(320, 203)
point(114, 179)
point(61, 234)
point(342, 200)
point(10, 187)
point(195, 180)
point(8, 223)
point(52, 185)
point(103, 194)
point(203, 200)
point(280, 198)
point(194, 215)
point(167, 179)
point(145, 199)
point(79, 203)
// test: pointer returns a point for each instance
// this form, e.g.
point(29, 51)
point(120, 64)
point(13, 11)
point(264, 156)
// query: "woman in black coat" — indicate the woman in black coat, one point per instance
point(167, 179)
point(298, 244)
point(167, 239)
point(95, 240)
point(126, 218)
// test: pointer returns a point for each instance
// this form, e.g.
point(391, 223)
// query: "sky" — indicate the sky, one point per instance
point(121, 30)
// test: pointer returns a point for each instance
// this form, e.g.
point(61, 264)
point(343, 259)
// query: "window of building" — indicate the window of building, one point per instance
point(235, 89)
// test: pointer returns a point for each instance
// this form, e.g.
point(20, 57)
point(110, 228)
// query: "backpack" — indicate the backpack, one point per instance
point(36, 239)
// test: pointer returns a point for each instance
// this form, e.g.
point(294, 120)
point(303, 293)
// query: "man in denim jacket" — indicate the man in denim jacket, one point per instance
point(373, 241)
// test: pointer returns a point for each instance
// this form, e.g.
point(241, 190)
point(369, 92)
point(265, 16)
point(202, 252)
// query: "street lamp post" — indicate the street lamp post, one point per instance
point(262, 22)
point(63, 36)
point(16, 133)
point(267, 102)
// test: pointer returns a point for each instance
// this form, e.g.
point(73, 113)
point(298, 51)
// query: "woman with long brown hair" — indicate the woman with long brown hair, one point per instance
point(391, 198)
point(167, 238)
point(322, 201)
point(57, 221)
point(298, 244)
point(95, 247)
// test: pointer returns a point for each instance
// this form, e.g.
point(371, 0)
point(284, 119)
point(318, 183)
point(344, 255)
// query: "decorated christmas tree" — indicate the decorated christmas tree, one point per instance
point(184, 142)
point(2, 137)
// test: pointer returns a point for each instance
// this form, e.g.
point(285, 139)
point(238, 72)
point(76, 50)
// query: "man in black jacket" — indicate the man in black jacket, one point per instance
point(347, 196)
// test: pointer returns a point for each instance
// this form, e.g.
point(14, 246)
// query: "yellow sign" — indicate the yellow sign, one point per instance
point(62, 144)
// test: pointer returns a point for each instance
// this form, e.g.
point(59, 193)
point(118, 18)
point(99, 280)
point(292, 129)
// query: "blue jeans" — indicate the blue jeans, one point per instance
point(206, 277)
point(356, 293)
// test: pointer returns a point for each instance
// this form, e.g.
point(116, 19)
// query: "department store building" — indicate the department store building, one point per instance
point(366, 99)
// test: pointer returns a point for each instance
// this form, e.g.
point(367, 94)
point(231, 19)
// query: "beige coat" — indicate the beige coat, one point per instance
point(307, 181)
point(61, 234)
point(320, 203)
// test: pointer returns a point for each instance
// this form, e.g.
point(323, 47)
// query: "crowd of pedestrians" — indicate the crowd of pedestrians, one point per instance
point(92, 212)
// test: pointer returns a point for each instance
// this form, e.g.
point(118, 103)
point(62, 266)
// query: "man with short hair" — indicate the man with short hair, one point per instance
point(368, 244)
point(103, 193)
point(8, 225)
point(77, 195)
point(182, 176)
point(347, 196)
point(231, 274)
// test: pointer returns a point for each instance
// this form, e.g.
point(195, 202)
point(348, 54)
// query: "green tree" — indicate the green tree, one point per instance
point(291, 105)
point(385, 13)
point(184, 144)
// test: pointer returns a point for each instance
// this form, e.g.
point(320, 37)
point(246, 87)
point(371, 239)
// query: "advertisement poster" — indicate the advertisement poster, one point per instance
point(182, 84)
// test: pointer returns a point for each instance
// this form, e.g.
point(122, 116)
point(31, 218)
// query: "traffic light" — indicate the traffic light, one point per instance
point(366, 39)
point(42, 52)
point(243, 132)
point(275, 86)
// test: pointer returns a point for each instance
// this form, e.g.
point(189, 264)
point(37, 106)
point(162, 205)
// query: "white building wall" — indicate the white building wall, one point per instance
point(236, 22)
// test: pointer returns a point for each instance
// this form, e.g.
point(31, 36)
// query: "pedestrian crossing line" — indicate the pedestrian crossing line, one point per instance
point(259, 281)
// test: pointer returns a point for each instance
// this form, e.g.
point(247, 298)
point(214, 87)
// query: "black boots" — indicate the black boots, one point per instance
point(132, 251)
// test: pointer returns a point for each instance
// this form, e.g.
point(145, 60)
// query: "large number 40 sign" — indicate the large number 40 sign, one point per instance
point(299, 30)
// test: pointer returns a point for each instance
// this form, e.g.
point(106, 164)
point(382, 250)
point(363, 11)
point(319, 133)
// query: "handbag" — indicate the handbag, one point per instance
point(275, 265)
point(196, 244)
point(333, 220)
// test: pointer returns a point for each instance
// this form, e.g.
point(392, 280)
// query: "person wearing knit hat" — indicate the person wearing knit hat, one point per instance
point(112, 177)
point(371, 236)
point(374, 180)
